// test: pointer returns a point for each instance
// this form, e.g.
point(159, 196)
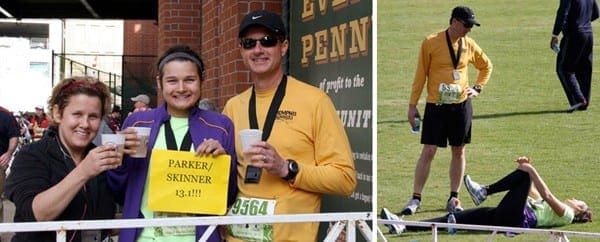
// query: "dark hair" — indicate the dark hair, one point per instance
point(79, 85)
point(583, 216)
point(181, 53)
point(116, 109)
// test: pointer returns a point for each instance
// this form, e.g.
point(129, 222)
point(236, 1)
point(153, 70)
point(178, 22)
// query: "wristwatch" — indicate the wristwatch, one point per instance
point(293, 170)
point(477, 88)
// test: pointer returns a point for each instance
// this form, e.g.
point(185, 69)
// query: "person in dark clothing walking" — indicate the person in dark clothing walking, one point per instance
point(9, 138)
point(574, 60)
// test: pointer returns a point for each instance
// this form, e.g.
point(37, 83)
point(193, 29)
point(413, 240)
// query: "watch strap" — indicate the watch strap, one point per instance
point(292, 170)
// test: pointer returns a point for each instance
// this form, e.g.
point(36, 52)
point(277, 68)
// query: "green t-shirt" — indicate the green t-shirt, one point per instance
point(546, 217)
point(167, 234)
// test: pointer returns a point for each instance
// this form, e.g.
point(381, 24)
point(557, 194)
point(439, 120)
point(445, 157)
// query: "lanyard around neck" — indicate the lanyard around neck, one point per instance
point(273, 108)
point(186, 144)
point(455, 57)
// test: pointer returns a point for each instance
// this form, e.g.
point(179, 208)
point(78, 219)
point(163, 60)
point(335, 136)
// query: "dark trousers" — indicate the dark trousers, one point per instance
point(574, 66)
point(509, 211)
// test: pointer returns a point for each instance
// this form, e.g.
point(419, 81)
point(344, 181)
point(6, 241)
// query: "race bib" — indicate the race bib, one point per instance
point(449, 93)
point(250, 207)
point(173, 230)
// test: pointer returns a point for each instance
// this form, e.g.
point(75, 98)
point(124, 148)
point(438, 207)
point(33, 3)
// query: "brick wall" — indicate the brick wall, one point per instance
point(226, 75)
point(141, 37)
point(179, 22)
point(210, 27)
point(139, 50)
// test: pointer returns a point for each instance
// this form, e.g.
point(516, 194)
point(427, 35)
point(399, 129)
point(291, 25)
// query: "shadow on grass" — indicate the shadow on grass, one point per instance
point(489, 116)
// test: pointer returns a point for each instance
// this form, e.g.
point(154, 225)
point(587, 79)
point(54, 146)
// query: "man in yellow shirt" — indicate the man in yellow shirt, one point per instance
point(443, 70)
point(304, 151)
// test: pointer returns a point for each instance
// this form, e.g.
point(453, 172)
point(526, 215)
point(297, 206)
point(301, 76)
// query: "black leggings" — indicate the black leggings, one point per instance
point(509, 211)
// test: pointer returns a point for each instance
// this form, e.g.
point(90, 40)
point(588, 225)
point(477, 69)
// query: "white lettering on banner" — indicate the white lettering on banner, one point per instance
point(359, 196)
point(355, 118)
point(363, 177)
point(356, 81)
point(362, 156)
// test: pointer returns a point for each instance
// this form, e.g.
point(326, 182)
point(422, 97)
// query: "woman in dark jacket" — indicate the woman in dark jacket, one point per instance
point(62, 176)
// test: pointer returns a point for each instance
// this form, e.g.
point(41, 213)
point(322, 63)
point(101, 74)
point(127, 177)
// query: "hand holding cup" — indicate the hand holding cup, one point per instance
point(116, 140)
point(248, 137)
point(104, 157)
point(140, 146)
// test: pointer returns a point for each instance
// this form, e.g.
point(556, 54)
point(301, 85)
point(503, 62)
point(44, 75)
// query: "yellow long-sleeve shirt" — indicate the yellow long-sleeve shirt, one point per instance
point(308, 130)
point(435, 67)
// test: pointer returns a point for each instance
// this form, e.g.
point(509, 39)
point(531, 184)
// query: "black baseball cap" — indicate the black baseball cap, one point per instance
point(270, 20)
point(465, 14)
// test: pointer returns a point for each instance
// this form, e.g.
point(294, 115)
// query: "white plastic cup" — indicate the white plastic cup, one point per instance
point(114, 139)
point(249, 136)
point(143, 134)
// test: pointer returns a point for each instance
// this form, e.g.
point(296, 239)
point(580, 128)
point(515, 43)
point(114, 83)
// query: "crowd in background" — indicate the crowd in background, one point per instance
point(32, 125)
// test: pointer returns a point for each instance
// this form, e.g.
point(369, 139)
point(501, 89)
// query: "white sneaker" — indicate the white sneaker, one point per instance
point(411, 207)
point(393, 228)
point(453, 205)
point(475, 190)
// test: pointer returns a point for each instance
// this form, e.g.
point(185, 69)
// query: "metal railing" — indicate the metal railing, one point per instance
point(68, 67)
point(350, 221)
point(554, 235)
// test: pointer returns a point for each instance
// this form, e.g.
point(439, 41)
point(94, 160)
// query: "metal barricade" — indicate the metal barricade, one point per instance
point(350, 221)
point(554, 235)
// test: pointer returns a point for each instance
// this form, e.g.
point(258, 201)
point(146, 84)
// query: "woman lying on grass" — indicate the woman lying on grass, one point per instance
point(529, 203)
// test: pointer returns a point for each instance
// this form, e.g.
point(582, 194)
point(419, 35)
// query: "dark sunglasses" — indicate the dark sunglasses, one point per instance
point(267, 41)
point(467, 25)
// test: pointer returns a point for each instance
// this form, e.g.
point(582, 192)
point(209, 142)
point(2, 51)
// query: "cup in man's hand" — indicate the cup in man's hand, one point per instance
point(249, 136)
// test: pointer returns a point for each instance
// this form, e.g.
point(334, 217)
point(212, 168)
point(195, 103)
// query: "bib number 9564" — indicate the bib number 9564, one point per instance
point(249, 207)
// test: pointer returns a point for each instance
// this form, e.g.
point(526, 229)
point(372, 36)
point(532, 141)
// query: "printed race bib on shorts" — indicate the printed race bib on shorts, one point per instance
point(178, 179)
point(244, 206)
point(449, 93)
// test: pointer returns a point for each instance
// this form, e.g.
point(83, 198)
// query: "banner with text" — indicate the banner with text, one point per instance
point(331, 48)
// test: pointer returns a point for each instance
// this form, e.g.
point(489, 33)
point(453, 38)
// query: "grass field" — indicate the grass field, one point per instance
point(520, 111)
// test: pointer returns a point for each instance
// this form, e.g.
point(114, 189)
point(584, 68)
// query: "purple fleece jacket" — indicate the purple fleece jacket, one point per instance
point(129, 179)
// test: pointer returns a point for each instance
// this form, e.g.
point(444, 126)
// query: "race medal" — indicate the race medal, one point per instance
point(455, 57)
point(456, 75)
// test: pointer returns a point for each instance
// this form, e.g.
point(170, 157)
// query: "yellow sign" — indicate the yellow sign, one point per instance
point(182, 182)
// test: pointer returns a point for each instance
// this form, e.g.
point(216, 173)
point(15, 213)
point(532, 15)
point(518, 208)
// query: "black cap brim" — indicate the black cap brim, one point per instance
point(473, 22)
point(269, 20)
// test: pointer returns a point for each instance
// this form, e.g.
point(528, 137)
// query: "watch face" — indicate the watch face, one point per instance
point(292, 170)
point(293, 166)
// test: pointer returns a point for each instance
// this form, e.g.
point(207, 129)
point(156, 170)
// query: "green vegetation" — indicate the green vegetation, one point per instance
point(519, 113)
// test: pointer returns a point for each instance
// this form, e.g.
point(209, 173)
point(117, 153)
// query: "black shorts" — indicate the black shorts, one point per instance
point(447, 123)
